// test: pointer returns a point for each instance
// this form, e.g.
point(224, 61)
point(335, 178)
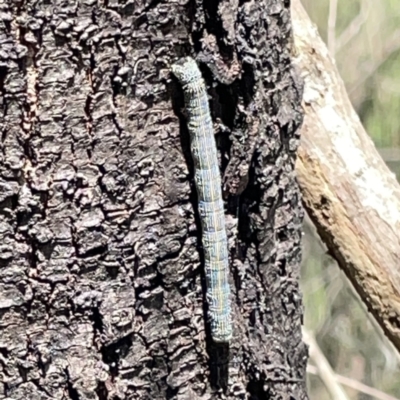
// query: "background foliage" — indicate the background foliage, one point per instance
point(364, 38)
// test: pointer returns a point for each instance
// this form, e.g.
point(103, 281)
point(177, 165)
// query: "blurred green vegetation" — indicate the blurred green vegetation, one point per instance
point(364, 38)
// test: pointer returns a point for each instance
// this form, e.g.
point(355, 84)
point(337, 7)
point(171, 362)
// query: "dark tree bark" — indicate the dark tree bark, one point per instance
point(101, 279)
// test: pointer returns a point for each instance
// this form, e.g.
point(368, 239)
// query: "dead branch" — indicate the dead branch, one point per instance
point(351, 195)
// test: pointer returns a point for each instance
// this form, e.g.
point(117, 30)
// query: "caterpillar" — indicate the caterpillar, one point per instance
point(211, 207)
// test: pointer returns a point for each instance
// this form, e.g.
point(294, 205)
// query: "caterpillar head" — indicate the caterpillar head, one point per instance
point(186, 70)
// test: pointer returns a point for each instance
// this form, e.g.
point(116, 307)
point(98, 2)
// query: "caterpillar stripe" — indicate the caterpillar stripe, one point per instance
point(211, 208)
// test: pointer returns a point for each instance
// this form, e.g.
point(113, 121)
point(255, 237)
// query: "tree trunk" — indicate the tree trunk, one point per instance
point(102, 282)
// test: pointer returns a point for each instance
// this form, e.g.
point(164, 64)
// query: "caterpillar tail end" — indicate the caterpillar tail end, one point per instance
point(222, 333)
point(221, 338)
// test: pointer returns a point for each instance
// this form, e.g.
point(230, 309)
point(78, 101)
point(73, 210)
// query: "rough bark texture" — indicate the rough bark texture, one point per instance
point(351, 195)
point(101, 282)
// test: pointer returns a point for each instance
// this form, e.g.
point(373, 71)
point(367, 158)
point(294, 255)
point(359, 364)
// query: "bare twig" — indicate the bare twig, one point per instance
point(360, 387)
point(323, 368)
point(355, 25)
point(331, 380)
point(391, 154)
point(332, 26)
point(392, 45)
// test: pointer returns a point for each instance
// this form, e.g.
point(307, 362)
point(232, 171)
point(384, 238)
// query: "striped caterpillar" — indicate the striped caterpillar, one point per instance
point(211, 207)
